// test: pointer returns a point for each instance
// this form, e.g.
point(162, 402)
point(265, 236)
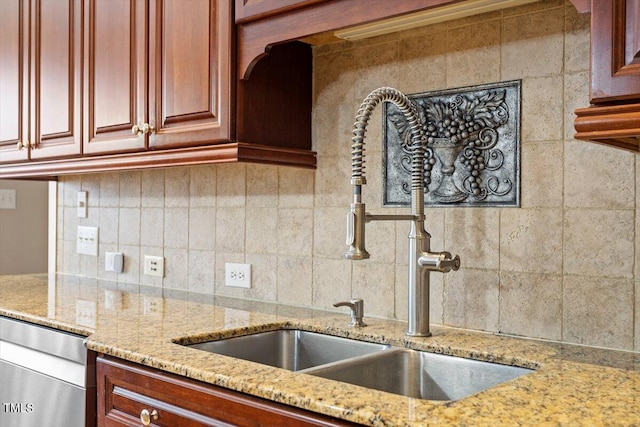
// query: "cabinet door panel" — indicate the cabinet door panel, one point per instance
point(189, 72)
point(115, 74)
point(615, 40)
point(56, 107)
point(13, 101)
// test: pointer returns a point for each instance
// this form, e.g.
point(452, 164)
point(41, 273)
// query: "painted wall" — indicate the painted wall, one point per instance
point(562, 267)
point(24, 230)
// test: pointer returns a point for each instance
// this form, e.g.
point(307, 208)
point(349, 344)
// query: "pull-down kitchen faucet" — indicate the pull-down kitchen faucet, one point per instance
point(421, 260)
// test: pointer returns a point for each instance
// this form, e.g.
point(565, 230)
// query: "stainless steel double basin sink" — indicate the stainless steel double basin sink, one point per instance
point(402, 371)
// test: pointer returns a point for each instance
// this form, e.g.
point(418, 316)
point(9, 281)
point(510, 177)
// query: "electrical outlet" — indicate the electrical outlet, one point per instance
point(7, 198)
point(114, 261)
point(87, 242)
point(154, 266)
point(237, 275)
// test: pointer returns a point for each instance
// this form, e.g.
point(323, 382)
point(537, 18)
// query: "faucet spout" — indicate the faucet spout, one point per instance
point(421, 260)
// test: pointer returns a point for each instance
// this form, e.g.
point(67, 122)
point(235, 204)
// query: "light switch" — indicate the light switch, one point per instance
point(87, 242)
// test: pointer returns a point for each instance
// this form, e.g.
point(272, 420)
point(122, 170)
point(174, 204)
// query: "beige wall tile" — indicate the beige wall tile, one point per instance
point(131, 272)
point(471, 299)
point(599, 243)
point(151, 227)
point(108, 232)
point(295, 232)
point(533, 44)
point(474, 234)
point(263, 277)
point(202, 228)
point(152, 188)
point(542, 109)
point(202, 186)
point(294, 281)
point(377, 66)
point(423, 62)
point(576, 95)
point(541, 176)
point(129, 226)
point(333, 184)
point(637, 317)
point(202, 264)
point(295, 187)
point(577, 49)
point(130, 189)
point(262, 185)
point(531, 305)
point(176, 228)
point(230, 230)
point(176, 187)
point(109, 189)
point(471, 59)
point(374, 283)
point(176, 268)
point(597, 176)
point(598, 311)
point(329, 232)
point(531, 240)
point(231, 181)
point(331, 282)
point(262, 230)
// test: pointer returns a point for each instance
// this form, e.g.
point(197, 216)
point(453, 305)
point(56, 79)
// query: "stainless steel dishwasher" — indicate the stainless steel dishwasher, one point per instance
point(47, 377)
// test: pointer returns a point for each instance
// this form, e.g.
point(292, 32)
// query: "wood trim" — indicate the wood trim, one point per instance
point(211, 154)
point(617, 125)
point(255, 37)
point(582, 6)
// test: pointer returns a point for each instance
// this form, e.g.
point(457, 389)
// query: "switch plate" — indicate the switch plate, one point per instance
point(82, 204)
point(7, 198)
point(237, 275)
point(154, 266)
point(87, 241)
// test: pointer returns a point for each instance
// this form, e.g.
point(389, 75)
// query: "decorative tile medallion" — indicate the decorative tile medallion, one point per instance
point(473, 146)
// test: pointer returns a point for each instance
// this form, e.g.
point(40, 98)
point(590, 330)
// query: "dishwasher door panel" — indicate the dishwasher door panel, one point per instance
point(32, 399)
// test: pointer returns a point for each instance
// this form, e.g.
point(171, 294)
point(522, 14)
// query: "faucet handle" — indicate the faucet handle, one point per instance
point(357, 311)
point(447, 264)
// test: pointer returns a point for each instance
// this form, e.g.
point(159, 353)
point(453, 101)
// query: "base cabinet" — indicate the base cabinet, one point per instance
point(134, 395)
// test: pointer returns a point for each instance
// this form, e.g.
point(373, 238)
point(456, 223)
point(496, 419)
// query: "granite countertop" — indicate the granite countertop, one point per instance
point(571, 385)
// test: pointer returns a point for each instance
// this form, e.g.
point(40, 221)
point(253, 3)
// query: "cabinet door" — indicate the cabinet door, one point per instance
point(190, 60)
point(14, 112)
point(55, 79)
point(115, 74)
point(615, 40)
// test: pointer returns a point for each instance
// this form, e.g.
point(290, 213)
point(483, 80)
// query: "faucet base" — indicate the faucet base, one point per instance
point(416, 334)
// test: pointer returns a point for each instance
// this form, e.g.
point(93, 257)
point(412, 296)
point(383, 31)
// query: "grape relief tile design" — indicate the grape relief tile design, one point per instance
point(472, 147)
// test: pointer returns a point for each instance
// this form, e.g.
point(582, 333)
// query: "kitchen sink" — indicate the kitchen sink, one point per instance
point(420, 374)
point(290, 348)
point(402, 371)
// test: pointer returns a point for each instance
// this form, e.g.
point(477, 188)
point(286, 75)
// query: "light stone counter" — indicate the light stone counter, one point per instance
point(572, 385)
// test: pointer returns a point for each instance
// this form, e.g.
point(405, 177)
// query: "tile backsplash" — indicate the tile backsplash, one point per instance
point(563, 266)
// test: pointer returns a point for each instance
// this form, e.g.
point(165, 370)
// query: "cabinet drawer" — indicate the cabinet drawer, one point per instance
point(126, 389)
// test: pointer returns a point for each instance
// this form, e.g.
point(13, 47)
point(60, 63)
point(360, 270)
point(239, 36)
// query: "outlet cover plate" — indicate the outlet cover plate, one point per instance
point(237, 275)
point(154, 266)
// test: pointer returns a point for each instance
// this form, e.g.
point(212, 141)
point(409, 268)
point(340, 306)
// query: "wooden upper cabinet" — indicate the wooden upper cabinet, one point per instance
point(41, 102)
point(249, 10)
point(158, 65)
point(615, 62)
point(115, 74)
point(55, 80)
point(189, 72)
point(14, 113)
point(614, 115)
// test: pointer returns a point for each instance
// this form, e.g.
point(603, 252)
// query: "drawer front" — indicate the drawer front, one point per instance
point(126, 389)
